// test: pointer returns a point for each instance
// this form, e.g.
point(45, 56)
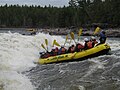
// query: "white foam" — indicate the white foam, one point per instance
point(17, 54)
point(11, 80)
point(114, 44)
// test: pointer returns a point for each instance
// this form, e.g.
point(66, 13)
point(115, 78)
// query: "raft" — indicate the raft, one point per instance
point(93, 52)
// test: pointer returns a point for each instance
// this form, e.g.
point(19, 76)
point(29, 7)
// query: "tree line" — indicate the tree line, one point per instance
point(78, 13)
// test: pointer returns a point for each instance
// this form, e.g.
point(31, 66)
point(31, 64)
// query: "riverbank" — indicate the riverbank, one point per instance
point(63, 31)
point(60, 31)
point(109, 33)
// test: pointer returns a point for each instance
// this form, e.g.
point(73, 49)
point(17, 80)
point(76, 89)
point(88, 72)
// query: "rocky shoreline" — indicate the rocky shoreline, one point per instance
point(111, 32)
point(64, 31)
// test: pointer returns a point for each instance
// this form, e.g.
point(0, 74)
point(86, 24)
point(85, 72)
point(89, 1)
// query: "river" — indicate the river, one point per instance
point(19, 70)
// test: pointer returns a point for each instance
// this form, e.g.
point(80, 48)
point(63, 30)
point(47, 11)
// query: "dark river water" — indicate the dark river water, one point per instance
point(100, 73)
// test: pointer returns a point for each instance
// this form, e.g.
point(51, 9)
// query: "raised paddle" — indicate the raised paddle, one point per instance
point(44, 47)
point(53, 43)
point(56, 43)
point(97, 30)
point(72, 36)
point(66, 40)
point(46, 42)
point(70, 41)
point(79, 33)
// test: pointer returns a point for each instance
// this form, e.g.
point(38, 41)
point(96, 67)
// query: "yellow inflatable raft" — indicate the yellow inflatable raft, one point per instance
point(93, 52)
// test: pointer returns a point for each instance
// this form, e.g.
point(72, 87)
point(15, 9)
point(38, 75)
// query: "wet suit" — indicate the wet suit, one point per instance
point(102, 37)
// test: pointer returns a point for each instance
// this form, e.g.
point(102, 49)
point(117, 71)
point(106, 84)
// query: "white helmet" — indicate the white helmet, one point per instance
point(53, 47)
point(62, 45)
point(92, 38)
point(86, 39)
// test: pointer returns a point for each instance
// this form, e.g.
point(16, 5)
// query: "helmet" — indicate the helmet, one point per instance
point(62, 45)
point(103, 32)
point(53, 48)
point(56, 48)
point(86, 39)
point(92, 38)
point(73, 45)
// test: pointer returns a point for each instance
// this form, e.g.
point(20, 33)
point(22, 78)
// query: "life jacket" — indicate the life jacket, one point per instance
point(86, 45)
point(56, 50)
point(53, 52)
point(89, 44)
point(47, 55)
point(80, 46)
point(63, 50)
point(69, 50)
point(94, 42)
point(102, 35)
point(72, 49)
point(102, 38)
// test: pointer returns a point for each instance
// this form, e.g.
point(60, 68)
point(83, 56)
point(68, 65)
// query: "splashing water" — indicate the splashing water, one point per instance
point(18, 54)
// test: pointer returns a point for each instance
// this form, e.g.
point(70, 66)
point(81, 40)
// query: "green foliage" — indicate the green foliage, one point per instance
point(98, 11)
point(78, 13)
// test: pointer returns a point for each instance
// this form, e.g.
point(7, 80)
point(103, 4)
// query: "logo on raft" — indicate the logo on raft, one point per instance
point(58, 57)
point(107, 46)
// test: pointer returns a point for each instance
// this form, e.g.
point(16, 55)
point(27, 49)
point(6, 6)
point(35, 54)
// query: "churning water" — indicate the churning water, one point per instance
point(19, 72)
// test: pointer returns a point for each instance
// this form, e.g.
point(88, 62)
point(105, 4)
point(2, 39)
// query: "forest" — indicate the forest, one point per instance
point(79, 13)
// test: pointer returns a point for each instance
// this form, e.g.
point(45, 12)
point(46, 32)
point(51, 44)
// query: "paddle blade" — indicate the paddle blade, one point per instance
point(70, 41)
point(66, 40)
point(46, 42)
point(97, 30)
point(72, 35)
point(56, 43)
point(66, 37)
point(43, 46)
point(53, 43)
point(80, 32)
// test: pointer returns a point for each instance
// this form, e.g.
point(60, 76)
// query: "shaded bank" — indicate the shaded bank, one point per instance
point(60, 31)
point(86, 32)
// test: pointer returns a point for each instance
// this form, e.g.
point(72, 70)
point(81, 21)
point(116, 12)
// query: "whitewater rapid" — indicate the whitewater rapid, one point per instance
point(18, 53)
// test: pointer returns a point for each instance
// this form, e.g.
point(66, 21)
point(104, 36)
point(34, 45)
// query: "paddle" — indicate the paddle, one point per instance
point(44, 47)
point(66, 40)
point(53, 43)
point(46, 42)
point(79, 33)
point(56, 43)
point(97, 30)
point(70, 41)
point(72, 36)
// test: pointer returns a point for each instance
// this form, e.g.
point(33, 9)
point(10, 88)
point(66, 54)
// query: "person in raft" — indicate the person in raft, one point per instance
point(94, 41)
point(79, 47)
point(71, 49)
point(62, 50)
point(102, 37)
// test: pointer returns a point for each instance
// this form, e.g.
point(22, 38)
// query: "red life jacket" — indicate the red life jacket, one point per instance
point(80, 46)
point(56, 50)
point(53, 52)
point(95, 42)
point(48, 55)
point(89, 44)
point(72, 49)
point(63, 50)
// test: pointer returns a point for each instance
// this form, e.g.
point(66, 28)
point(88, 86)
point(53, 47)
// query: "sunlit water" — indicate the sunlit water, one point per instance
point(18, 70)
